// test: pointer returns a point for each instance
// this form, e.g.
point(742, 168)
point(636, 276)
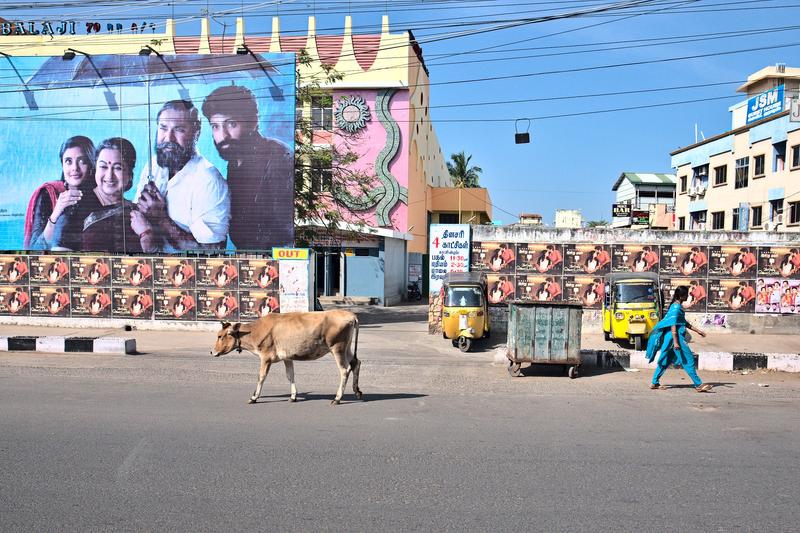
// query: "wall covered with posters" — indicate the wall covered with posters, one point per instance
point(151, 288)
point(152, 154)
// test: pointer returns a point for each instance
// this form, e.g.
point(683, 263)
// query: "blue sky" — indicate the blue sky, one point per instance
point(571, 162)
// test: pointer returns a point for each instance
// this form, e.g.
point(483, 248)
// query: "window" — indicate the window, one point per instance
point(758, 164)
point(756, 220)
point(321, 176)
point(794, 212)
point(683, 183)
point(742, 172)
point(298, 114)
point(735, 219)
point(698, 220)
point(718, 220)
point(796, 156)
point(681, 223)
point(322, 112)
point(448, 218)
point(775, 209)
point(700, 175)
point(779, 156)
point(721, 175)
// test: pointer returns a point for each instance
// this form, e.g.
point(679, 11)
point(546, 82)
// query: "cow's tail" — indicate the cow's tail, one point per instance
point(355, 347)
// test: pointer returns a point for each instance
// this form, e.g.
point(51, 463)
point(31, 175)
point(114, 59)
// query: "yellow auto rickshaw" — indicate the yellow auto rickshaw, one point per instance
point(631, 307)
point(465, 315)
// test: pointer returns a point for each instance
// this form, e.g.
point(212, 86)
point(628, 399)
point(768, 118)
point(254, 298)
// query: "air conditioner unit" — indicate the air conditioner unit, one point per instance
point(692, 191)
point(778, 219)
point(769, 225)
point(701, 190)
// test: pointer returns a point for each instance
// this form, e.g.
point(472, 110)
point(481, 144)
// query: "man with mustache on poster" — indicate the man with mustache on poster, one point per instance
point(260, 171)
point(182, 195)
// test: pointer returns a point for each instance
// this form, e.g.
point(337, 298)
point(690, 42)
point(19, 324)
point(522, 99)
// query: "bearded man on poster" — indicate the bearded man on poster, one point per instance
point(183, 197)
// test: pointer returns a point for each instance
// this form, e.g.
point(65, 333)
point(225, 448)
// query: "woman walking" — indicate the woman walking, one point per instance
point(668, 338)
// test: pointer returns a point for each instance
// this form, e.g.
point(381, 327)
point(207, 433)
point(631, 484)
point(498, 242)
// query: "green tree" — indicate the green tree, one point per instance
point(596, 223)
point(464, 176)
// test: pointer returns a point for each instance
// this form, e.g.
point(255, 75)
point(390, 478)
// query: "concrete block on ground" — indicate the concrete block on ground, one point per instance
point(3, 344)
point(715, 361)
point(639, 360)
point(114, 345)
point(50, 344)
point(784, 362)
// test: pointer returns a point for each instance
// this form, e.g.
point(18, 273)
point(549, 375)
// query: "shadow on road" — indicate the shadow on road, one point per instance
point(347, 398)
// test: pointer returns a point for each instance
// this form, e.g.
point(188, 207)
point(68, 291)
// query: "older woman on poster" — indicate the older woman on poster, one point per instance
point(111, 223)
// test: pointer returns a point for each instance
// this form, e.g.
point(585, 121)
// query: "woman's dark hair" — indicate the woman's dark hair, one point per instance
point(85, 144)
point(680, 295)
point(126, 150)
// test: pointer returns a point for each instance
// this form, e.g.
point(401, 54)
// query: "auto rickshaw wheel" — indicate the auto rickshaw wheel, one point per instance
point(607, 335)
point(464, 343)
point(637, 343)
point(514, 369)
point(573, 372)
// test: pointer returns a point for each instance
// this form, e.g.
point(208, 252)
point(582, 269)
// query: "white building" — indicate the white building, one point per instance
point(569, 218)
point(644, 192)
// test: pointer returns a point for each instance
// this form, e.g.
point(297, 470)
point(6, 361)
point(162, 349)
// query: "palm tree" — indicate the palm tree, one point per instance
point(596, 223)
point(464, 176)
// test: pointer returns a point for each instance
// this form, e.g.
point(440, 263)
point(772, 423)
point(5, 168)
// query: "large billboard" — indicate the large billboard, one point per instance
point(148, 153)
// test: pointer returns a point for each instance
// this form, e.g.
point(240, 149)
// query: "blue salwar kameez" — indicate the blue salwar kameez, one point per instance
point(661, 341)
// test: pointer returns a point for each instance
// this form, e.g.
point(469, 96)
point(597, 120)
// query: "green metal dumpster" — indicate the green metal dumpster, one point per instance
point(544, 333)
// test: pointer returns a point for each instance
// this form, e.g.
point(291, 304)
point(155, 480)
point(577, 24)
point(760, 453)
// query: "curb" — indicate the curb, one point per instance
point(710, 361)
point(113, 345)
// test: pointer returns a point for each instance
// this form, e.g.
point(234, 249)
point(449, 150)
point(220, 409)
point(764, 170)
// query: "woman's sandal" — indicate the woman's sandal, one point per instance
point(705, 387)
point(657, 386)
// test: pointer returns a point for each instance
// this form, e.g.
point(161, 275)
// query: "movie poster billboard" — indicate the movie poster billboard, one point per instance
point(50, 301)
point(175, 304)
point(14, 270)
point(132, 271)
point(587, 291)
point(91, 302)
point(539, 288)
point(49, 270)
point(635, 258)
point(587, 259)
point(501, 288)
point(174, 272)
point(129, 302)
point(779, 262)
point(257, 303)
point(493, 257)
point(161, 119)
point(215, 304)
point(698, 292)
point(90, 271)
point(680, 260)
point(732, 261)
point(777, 295)
point(15, 300)
point(258, 274)
point(731, 296)
point(540, 259)
point(219, 273)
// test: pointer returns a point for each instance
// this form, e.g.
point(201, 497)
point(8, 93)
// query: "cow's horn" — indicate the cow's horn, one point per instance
point(225, 325)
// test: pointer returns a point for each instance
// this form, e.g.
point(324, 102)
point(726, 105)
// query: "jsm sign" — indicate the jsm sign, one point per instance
point(765, 104)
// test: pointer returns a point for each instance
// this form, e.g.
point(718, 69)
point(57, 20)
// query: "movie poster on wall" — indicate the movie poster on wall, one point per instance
point(14, 269)
point(688, 261)
point(493, 257)
point(49, 270)
point(219, 273)
point(635, 258)
point(732, 261)
point(293, 286)
point(15, 300)
point(132, 271)
point(539, 287)
point(258, 274)
point(90, 271)
point(256, 304)
point(587, 259)
point(698, 292)
point(91, 302)
point(540, 259)
point(501, 288)
point(129, 302)
point(217, 304)
point(779, 262)
point(175, 304)
point(50, 301)
point(222, 205)
point(731, 296)
point(174, 272)
point(587, 291)
point(778, 295)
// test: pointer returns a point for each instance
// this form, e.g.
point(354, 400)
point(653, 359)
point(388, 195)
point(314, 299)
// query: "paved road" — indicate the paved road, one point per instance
point(164, 441)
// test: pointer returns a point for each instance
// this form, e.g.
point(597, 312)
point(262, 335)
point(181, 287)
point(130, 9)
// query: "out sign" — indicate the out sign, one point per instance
point(290, 254)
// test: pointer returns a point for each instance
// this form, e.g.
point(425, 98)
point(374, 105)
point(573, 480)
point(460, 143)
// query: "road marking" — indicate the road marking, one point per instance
point(126, 468)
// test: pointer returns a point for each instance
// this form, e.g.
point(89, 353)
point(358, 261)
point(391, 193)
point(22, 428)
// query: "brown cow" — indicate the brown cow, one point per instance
point(292, 337)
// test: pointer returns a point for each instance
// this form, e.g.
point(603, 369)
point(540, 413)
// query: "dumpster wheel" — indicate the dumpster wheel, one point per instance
point(514, 369)
point(573, 372)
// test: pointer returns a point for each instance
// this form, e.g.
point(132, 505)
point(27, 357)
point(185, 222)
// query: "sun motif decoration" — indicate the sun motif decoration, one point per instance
point(352, 114)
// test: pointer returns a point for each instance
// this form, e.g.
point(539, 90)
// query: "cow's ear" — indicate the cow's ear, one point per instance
point(237, 333)
point(225, 325)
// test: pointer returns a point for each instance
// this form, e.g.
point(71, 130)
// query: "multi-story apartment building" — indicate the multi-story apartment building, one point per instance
point(747, 178)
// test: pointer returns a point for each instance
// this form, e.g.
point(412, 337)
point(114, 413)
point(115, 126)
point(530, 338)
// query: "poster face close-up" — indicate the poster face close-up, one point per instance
point(91, 302)
point(731, 296)
point(493, 257)
point(258, 274)
point(15, 300)
point(539, 287)
point(149, 153)
point(698, 292)
point(13, 269)
point(540, 259)
point(90, 271)
point(587, 259)
point(689, 261)
point(132, 303)
point(587, 291)
point(732, 261)
point(501, 288)
point(635, 258)
point(217, 305)
point(779, 262)
point(132, 272)
point(257, 303)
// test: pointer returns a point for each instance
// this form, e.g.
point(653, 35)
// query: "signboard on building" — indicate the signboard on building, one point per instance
point(128, 131)
point(640, 217)
point(620, 210)
point(765, 104)
point(449, 252)
point(794, 110)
